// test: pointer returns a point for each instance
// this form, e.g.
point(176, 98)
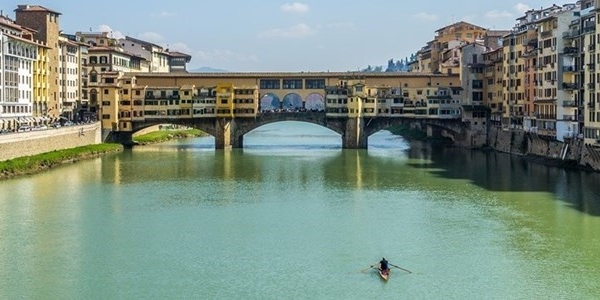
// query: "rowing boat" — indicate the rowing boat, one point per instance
point(384, 274)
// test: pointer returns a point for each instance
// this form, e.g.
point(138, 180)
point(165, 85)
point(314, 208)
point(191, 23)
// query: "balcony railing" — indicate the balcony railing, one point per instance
point(569, 86)
point(591, 86)
point(570, 50)
point(569, 118)
point(591, 67)
point(570, 69)
point(569, 104)
point(570, 34)
point(592, 47)
point(546, 34)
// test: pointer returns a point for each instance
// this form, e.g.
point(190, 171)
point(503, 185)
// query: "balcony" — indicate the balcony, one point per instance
point(591, 86)
point(592, 47)
point(530, 42)
point(571, 50)
point(569, 69)
point(569, 103)
point(570, 34)
point(569, 118)
point(546, 34)
point(591, 67)
point(569, 86)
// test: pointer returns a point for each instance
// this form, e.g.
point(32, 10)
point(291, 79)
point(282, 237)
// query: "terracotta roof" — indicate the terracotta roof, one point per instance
point(35, 8)
point(460, 23)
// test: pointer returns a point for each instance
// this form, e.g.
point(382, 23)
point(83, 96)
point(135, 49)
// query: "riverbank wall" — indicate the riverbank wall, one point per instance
point(572, 153)
point(21, 144)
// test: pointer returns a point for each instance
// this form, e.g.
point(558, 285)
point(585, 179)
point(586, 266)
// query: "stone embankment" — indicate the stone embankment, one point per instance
point(572, 154)
point(21, 144)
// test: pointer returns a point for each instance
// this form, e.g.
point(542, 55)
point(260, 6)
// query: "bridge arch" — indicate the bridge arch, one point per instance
point(319, 118)
point(315, 102)
point(269, 102)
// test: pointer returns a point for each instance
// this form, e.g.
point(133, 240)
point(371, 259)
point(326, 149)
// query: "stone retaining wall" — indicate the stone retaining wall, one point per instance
point(20, 144)
point(518, 142)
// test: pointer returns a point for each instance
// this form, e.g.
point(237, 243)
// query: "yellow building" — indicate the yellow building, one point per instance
point(492, 85)
point(514, 89)
point(41, 69)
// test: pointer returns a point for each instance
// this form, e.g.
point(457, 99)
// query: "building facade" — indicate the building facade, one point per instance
point(45, 23)
point(18, 58)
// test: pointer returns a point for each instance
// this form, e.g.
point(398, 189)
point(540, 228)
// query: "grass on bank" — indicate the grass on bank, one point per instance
point(35, 163)
point(166, 135)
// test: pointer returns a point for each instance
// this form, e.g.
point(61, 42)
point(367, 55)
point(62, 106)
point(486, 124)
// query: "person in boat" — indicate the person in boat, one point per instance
point(383, 264)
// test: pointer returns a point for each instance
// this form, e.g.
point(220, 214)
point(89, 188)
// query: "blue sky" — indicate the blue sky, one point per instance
point(266, 35)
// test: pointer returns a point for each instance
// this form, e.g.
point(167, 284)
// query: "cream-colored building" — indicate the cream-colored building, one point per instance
point(18, 56)
point(70, 81)
point(589, 79)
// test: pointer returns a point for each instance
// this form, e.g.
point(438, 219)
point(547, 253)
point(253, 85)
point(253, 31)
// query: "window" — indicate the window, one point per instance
point(315, 83)
point(292, 83)
point(270, 84)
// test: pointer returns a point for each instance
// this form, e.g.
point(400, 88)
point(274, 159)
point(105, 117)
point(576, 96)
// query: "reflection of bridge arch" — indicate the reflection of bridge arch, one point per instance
point(292, 101)
point(269, 102)
point(315, 102)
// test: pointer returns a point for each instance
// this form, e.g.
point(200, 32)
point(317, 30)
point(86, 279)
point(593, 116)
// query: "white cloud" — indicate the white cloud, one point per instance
point(295, 7)
point(217, 55)
point(498, 14)
point(151, 37)
point(297, 31)
point(423, 16)
point(111, 32)
point(522, 8)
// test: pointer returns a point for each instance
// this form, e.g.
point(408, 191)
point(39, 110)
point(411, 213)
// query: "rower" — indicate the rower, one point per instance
point(383, 264)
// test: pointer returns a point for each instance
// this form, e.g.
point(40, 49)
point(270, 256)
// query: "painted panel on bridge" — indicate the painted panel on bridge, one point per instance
point(292, 101)
point(315, 102)
point(269, 102)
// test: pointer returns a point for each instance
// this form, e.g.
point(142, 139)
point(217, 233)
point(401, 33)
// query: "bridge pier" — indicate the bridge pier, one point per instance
point(354, 136)
point(227, 135)
point(124, 138)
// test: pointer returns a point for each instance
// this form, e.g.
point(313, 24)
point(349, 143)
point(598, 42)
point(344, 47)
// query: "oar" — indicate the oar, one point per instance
point(403, 269)
point(369, 267)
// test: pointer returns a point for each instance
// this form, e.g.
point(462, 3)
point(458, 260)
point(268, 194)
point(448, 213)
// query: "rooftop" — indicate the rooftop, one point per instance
point(34, 8)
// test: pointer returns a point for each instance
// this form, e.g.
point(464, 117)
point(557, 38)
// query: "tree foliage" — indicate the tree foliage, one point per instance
point(392, 65)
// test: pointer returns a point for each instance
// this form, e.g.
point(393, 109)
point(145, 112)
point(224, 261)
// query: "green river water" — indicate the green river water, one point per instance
point(294, 216)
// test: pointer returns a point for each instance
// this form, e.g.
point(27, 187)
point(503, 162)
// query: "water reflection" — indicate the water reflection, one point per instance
point(505, 173)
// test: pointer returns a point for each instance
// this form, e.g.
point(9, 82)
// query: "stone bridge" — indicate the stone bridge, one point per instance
point(229, 132)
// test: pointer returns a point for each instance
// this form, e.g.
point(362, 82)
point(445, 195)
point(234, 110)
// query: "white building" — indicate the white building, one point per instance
point(17, 56)
point(69, 85)
point(156, 55)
